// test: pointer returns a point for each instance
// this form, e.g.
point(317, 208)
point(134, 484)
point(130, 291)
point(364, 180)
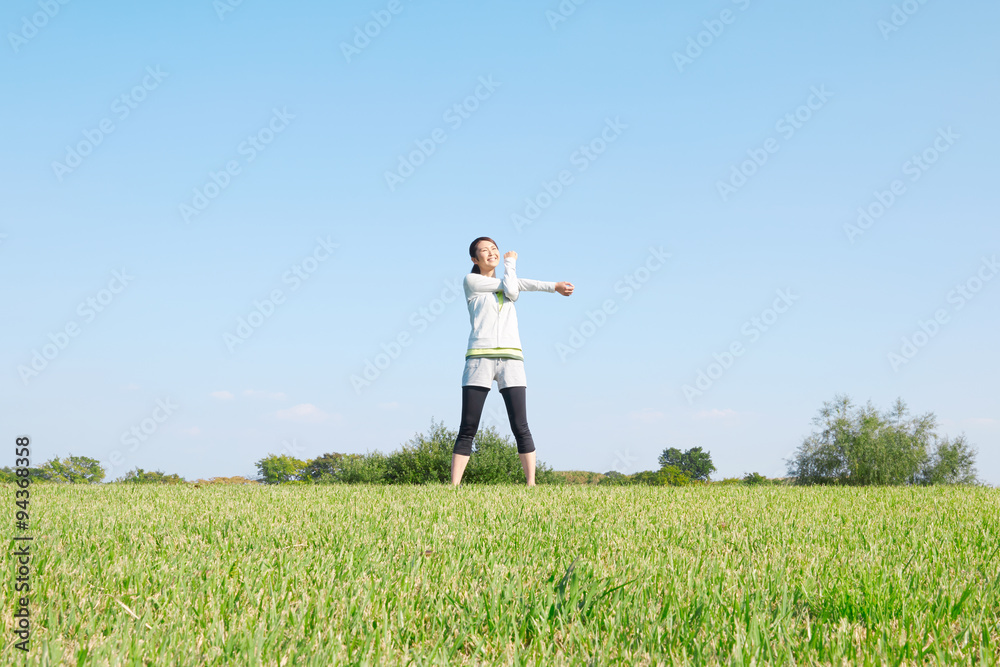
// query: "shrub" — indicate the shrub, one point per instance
point(665, 476)
point(72, 470)
point(369, 469)
point(495, 461)
point(237, 479)
point(428, 458)
point(423, 459)
point(950, 462)
point(140, 476)
point(862, 447)
point(336, 468)
point(694, 463)
point(274, 469)
point(614, 478)
point(576, 477)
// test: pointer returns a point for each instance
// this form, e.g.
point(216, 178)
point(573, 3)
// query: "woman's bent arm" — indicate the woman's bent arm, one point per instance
point(476, 283)
point(510, 284)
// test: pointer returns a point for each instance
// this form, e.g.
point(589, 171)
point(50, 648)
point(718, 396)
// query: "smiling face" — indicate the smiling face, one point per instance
point(487, 257)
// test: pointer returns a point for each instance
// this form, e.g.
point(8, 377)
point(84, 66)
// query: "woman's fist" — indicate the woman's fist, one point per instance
point(564, 288)
point(511, 254)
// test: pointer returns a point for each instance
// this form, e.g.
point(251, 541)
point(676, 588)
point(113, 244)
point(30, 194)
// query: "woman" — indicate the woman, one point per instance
point(495, 351)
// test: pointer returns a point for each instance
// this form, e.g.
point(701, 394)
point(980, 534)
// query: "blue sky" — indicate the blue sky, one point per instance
point(169, 170)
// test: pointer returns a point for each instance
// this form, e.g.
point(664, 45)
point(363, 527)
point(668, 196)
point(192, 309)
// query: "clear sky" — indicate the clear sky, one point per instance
point(818, 181)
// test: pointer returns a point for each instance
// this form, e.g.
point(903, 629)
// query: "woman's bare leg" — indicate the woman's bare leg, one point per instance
point(528, 463)
point(458, 463)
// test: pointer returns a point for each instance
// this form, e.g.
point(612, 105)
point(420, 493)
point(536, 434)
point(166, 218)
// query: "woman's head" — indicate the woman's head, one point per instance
point(485, 255)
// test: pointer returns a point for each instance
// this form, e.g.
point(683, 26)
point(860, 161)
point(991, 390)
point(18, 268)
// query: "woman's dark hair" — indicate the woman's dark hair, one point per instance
point(472, 251)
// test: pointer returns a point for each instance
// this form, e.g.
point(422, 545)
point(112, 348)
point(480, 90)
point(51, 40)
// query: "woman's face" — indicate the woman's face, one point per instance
point(487, 256)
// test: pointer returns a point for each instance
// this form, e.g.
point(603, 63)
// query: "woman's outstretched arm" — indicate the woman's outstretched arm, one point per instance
point(529, 285)
point(511, 284)
point(477, 283)
point(513, 288)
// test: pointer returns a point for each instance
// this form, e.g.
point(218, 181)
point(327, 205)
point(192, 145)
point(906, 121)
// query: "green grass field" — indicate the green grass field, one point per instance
point(337, 575)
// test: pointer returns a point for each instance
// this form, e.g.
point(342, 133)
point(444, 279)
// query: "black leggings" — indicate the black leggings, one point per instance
point(473, 400)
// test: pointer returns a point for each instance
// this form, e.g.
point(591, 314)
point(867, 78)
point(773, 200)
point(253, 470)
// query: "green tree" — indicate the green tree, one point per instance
point(861, 446)
point(337, 468)
point(613, 478)
point(275, 469)
point(671, 457)
point(72, 470)
point(666, 476)
point(330, 464)
point(368, 469)
point(140, 476)
point(694, 462)
point(951, 462)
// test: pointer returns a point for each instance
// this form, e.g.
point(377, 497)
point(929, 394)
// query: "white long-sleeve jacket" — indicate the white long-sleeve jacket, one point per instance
point(492, 314)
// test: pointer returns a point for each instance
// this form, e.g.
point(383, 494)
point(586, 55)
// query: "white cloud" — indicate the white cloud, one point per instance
point(277, 395)
point(226, 395)
point(715, 413)
point(984, 421)
point(305, 412)
point(389, 406)
point(194, 430)
point(646, 415)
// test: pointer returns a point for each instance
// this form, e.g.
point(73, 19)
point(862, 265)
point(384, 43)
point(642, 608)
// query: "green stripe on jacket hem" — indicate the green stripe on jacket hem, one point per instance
point(495, 353)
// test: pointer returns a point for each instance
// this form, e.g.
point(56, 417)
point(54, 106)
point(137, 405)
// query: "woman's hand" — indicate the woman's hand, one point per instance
point(564, 288)
point(511, 254)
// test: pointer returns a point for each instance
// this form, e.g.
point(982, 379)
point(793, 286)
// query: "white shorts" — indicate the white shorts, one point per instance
point(482, 371)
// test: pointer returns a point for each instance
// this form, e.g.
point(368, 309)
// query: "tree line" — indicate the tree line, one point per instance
point(851, 445)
